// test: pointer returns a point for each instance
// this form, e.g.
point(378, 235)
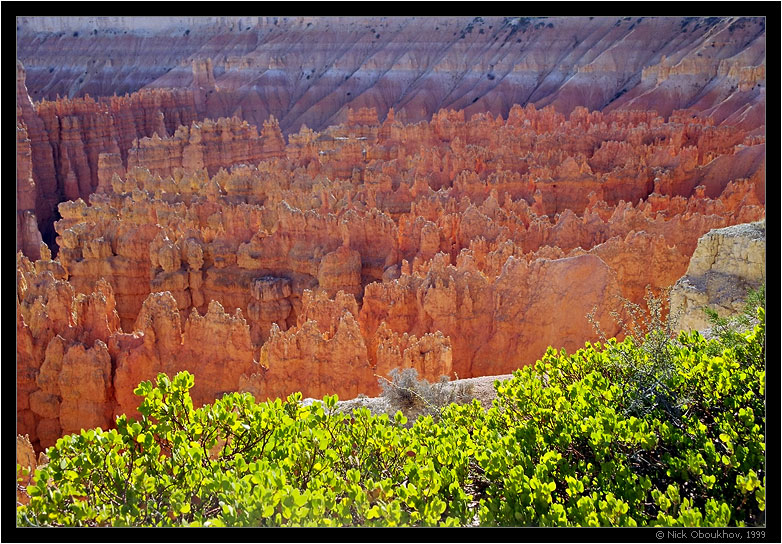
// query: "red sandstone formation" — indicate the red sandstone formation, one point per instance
point(77, 369)
point(26, 458)
point(36, 181)
point(28, 237)
point(63, 366)
point(210, 145)
point(461, 246)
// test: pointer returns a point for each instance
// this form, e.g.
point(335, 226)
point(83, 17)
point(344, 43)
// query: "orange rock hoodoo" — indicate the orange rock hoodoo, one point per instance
point(460, 246)
point(67, 137)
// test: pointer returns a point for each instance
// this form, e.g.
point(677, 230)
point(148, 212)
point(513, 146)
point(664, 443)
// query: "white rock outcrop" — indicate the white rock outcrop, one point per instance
point(726, 264)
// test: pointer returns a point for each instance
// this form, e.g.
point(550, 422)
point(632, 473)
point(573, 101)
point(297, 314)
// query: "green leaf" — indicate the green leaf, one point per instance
point(400, 418)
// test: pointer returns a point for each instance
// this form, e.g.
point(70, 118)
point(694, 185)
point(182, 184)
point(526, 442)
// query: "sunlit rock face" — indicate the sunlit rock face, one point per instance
point(92, 85)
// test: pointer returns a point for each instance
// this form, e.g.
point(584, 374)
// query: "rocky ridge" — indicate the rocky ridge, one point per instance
point(255, 68)
point(66, 138)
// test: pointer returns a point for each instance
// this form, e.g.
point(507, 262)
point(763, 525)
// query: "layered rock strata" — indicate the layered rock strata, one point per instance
point(210, 145)
point(68, 136)
point(76, 368)
point(309, 70)
point(28, 237)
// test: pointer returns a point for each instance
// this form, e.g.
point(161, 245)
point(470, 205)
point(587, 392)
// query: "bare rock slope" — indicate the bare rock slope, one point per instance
point(309, 70)
point(313, 71)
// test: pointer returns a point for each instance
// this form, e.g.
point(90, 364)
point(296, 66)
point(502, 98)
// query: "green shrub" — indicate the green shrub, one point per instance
point(730, 329)
point(568, 450)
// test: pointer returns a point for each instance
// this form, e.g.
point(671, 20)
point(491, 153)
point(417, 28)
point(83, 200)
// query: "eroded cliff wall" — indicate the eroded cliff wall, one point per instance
point(726, 264)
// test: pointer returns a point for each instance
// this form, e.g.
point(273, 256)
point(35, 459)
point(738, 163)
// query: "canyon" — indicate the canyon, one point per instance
point(304, 205)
